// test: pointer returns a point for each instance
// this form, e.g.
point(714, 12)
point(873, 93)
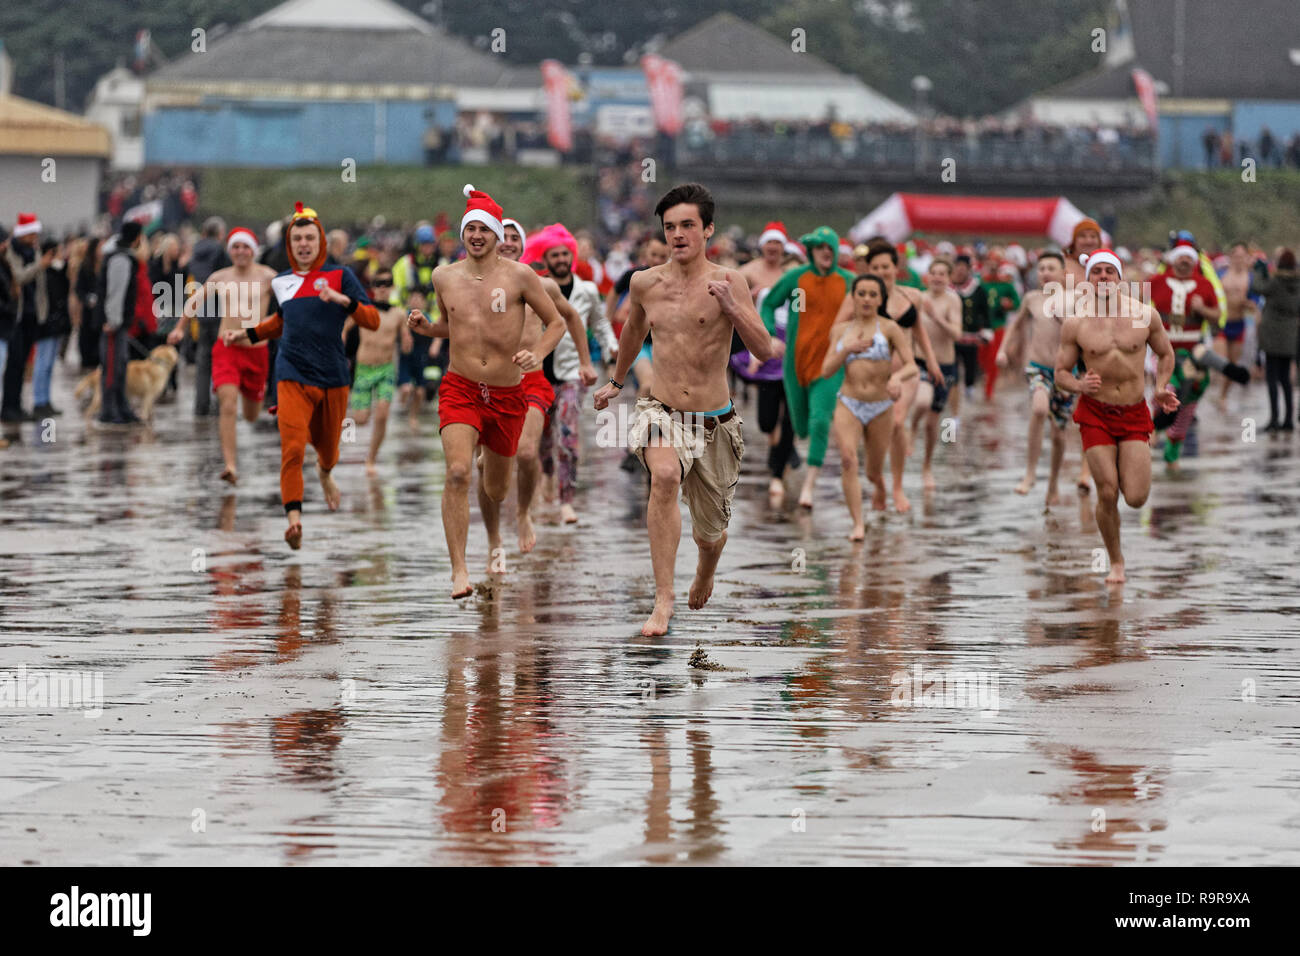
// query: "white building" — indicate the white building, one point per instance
point(116, 104)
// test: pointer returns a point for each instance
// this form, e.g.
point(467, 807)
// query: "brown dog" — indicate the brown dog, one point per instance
point(145, 381)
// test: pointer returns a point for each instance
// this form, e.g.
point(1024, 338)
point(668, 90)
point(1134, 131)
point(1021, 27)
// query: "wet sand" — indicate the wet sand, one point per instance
point(333, 705)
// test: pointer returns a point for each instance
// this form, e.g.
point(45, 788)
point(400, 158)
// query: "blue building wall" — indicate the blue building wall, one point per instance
point(1250, 116)
point(1180, 139)
point(1180, 135)
point(293, 133)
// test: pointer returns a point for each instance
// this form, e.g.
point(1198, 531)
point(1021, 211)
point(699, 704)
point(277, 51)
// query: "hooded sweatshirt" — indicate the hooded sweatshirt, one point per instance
point(310, 330)
point(822, 293)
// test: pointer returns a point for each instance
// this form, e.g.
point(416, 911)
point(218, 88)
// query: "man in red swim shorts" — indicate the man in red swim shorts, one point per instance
point(241, 295)
point(1111, 331)
point(481, 301)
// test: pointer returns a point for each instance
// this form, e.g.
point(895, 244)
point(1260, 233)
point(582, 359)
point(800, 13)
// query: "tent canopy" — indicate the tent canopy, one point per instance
point(905, 213)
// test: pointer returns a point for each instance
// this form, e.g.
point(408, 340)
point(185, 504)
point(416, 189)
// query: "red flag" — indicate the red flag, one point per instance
point(1146, 91)
point(559, 123)
point(664, 77)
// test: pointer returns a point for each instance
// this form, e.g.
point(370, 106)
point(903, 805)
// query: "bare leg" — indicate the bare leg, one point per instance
point(493, 486)
point(1038, 409)
point(848, 432)
point(879, 435)
point(1084, 481)
point(458, 443)
point(900, 441)
point(931, 439)
point(378, 429)
point(664, 521)
point(1058, 455)
point(228, 405)
point(529, 468)
point(1103, 461)
point(414, 406)
point(293, 534)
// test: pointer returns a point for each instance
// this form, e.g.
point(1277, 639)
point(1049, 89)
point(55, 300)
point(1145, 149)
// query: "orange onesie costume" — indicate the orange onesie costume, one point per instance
point(311, 366)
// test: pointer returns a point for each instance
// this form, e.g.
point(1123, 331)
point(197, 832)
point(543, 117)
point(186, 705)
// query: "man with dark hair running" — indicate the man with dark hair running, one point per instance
point(687, 434)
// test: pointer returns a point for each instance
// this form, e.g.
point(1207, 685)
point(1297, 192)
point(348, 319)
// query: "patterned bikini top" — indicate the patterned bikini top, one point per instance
point(878, 352)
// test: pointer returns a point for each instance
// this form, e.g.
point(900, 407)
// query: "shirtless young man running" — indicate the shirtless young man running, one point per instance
point(1229, 340)
point(541, 397)
point(376, 379)
point(1037, 322)
point(1113, 416)
point(687, 435)
point(941, 318)
point(242, 294)
point(481, 301)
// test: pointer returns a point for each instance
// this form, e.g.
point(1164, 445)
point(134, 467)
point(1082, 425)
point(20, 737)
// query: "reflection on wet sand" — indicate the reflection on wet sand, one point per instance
point(332, 705)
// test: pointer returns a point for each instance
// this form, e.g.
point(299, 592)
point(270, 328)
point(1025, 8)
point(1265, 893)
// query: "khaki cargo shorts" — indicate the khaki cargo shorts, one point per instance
point(709, 458)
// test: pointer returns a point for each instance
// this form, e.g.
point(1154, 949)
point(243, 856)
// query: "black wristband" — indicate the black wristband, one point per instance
point(352, 304)
point(615, 384)
point(252, 335)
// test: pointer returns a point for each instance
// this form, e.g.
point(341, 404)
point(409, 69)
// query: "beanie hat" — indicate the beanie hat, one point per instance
point(240, 234)
point(482, 208)
point(1081, 226)
point(1100, 256)
point(27, 224)
point(424, 234)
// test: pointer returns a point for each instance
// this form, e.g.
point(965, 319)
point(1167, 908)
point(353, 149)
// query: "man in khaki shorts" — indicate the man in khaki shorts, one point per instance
point(687, 434)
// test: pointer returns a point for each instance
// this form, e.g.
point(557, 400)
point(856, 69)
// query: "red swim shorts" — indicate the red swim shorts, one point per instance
point(242, 367)
point(496, 413)
point(538, 391)
point(1101, 423)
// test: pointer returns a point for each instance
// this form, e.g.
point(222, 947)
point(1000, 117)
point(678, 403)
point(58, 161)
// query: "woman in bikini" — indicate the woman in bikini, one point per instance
point(866, 346)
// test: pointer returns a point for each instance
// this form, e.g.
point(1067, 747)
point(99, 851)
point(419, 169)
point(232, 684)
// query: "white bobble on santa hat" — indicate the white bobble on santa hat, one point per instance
point(480, 207)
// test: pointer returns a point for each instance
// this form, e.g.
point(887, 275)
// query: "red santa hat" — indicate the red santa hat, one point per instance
point(1182, 249)
point(27, 224)
point(482, 208)
point(523, 236)
point(1097, 258)
point(240, 234)
point(774, 232)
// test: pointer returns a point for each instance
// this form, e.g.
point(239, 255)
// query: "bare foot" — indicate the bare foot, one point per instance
point(1026, 483)
point(568, 515)
point(293, 535)
point(332, 496)
point(775, 493)
point(371, 467)
point(927, 480)
point(1053, 496)
point(701, 591)
point(1116, 575)
point(858, 533)
point(460, 586)
point(1172, 467)
point(878, 498)
point(806, 497)
point(657, 623)
point(549, 489)
point(901, 503)
point(527, 536)
point(230, 475)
